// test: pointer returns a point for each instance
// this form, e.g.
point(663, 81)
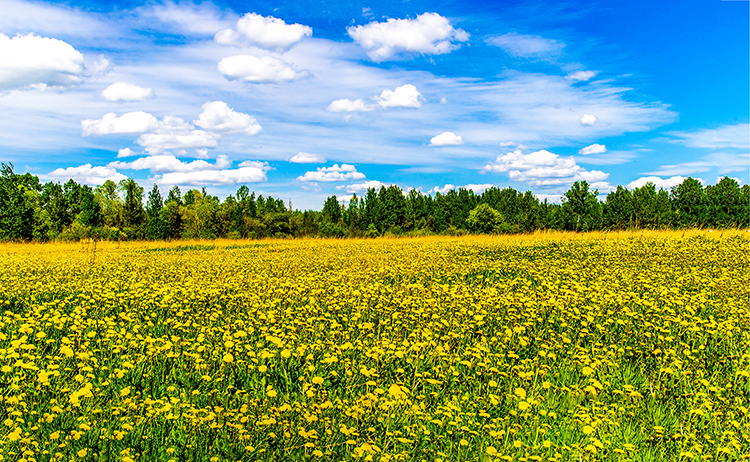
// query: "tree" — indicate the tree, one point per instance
point(133, 213)
point(331, 212)
point(91, 213)
point(155, 203)
point(174, 195)
point(689, 201)
point(580, 208)
point(484, 219)
point(16, 214)
point(618, 208)
point(724, 201)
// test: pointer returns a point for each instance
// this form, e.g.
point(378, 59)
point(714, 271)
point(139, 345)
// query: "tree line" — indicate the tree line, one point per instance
point(31, 210)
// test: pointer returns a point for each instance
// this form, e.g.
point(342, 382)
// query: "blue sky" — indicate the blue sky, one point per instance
point(302, 100)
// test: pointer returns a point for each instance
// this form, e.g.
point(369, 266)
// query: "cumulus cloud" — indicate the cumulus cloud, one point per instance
point(446, 139)
point(476, 188)
point(170, 163)
point(543, 168)
point(156, 142)
point(479, 188)
point(361, 188)
point(588, 120)
point(173, 132)
point(40, 62)
point(581, 76)
point(527, 46)
point(130, 122)
point(593, 149)
point(347, 105)
point(660, 183)
point(551, 198)
point(264, 32)
point(403, 96)
point(429, 33)
point(125, 152)
point(217, 116)
point(248, 172)
point(735, 136)
point(335, 173)
point(124, 91)
point(266, 69)
point(307, 158)
point(443, 190)
point(87, 174)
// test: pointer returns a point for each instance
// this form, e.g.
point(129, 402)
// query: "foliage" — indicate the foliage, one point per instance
point(31, 210)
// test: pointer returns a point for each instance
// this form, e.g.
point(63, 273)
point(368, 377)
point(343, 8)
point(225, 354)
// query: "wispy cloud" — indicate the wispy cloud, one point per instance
point(527, 46)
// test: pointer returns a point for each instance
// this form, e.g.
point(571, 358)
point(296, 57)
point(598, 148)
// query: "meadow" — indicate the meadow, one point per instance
point(619, 346)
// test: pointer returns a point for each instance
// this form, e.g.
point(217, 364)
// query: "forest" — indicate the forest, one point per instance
point(34, 211)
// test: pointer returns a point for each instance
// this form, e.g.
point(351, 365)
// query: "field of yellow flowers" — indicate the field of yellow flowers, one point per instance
point(544, 347)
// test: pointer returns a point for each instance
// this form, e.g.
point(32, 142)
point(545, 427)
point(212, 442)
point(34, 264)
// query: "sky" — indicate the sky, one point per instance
point(307, 99)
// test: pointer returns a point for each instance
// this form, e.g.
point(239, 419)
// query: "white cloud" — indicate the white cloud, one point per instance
point(476, 188)
point(87, 174)
point(130, 122)
point(248, 172)
point(31, 60)
point(593, 149)
point(307, 158)
point(361, 188)
point(264, 32)
point(527, 46)
point(479, 188)
point(588, 120)
point(551, 198)
point(403, 96)
point(156, 142)
point(335, 173)
point(429, 33)
point(581, 76)
point(660, 183)
point(126, 152)
point(446, 139)
point(124, 91)
point(186, 17)
point(21, 16)
point(443, 190)
point(723, 163)
point(347, 105)
point(217, 116)
point(543, 168)
point(507, 144)
point(173, 132)
point(735, 136)
point(266, 69)
point(169, 163)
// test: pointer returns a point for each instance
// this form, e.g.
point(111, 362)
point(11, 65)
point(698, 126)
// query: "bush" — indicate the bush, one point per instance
point(484, 219)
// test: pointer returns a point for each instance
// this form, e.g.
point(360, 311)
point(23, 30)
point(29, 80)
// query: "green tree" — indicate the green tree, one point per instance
point(91, 213)
point(331, 212)
point(689, 203)
point(133, 213)
point(618, 208)
point(484, 219)
point(16, 213)
point(155, 202)
point(580, 208)
point(724, 203)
